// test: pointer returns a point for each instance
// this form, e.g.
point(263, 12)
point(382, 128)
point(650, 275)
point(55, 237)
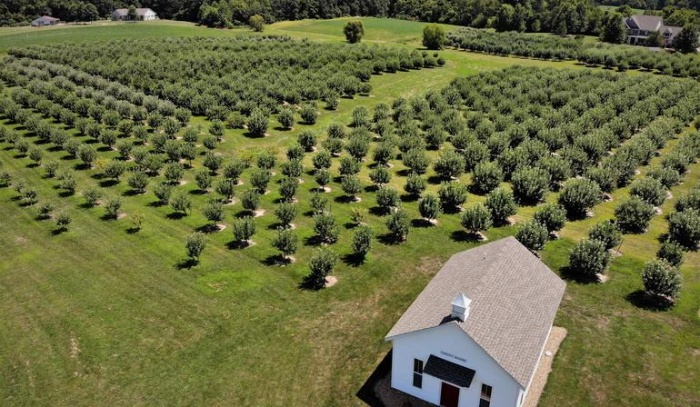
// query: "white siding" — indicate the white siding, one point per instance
point(450, 343)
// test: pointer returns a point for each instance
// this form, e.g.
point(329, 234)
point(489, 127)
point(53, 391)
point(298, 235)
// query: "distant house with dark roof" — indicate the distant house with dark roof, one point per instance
point(45, 21)
point(477, 332)
point(640, 27)
point(144, 14)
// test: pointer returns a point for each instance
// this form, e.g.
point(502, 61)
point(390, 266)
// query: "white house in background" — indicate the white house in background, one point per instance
point(45, 21)
point(475, 335)
point(640, 27)
point(145, 14)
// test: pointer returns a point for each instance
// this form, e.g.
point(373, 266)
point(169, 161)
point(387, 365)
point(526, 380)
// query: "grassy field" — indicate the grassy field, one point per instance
point(101, 316)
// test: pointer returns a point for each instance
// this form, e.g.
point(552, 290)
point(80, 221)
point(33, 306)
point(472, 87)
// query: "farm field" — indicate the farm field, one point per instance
point(105, 314)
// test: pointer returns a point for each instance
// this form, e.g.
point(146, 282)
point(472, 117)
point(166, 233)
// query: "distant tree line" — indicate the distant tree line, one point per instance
point(558, 16)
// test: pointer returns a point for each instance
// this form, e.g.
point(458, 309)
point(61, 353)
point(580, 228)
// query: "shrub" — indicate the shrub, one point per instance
point(285, 213)
point(589, 258)
point(91, 196)
point(256, 23)
point(180, 203)
point(213, 211)
point(416, 160)
point(667, 176)
point(326, 228)
point(250, 200)
point(606, 232)
point(398, 225)
point(532, 235)
point(114, 169)
point(351, 185)
point(266, 160)
point(286, 241)
point(112, 207)
point(233, 169)
point(348, 166)
point(308, 114)
point(162, 191)
point(321, 265)
point(634, 215)
point(530, 184)
point(257, 123)
point(318, 203)
point(138, 181)
point(173, 173)
point(360, 117)
point(322, 160)
point(212, 162)
point(44, 210)
point(357, 147)
point(684, 228)
point(87, 155)
point(322, 177)
point(449, 165)
point(292, 168)
point(662, 279)
point(434, 37)
point(502, 205)
point(671, 252)
point(225, 188)
point(452, 196)
point(476, 218)
point(387, 198)
point(203, 179)
point(551, 216)
point(430, 207)
point(380, 176)
point(578, 196)
point(354, 30)
point(288, 187)
point(259, 178)
point(362, 241)
point(195, 244)
point(486, 177)
point(62, 221)
point(689, 201)
point(415, 185)
point(243, 230)
point(649, 190)
point(286, 118)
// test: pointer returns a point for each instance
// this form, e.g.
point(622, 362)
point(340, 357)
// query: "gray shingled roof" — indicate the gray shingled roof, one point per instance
point(514, 300)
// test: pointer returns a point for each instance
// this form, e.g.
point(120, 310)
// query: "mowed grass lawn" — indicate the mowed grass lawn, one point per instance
point(101, 316)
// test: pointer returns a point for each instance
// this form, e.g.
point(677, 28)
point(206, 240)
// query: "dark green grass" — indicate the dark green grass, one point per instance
point(101, 316)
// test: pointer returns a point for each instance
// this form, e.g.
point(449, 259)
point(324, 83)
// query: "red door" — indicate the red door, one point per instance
point(449, 395)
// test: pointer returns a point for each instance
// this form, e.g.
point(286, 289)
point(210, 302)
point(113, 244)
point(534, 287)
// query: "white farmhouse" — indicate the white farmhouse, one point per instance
point(144, 14)
point(475, 335)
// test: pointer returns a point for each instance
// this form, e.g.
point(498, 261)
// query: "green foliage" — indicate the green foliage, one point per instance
point(63, 219)
point(286, 241)
point(321, 265)
point(112, 207)
point(259, 178)
point(416, 160)
point(649, 190)
point(308, 114)
point(195, 244)
point(213, 211)
point(285, 213)
point(326, 228)
point(502, 205)
point(180, 203)
point(532, 235)
point(613, 29)
point(387, 198)
point(114, 169)
point(318, 203)
point(250, 200)
point(684, 228)
point(354, 30)
point(634, 215)
point(415, 185)
point(173, 173)
point(486, 177)
point(162, 191)
point(579, 196)
point(476, 218)
point(452, 196)
point(606, 232)
point(380, 176)
point(138, 181)
point(256, 23)
point(661, 279)
point(203, 179)
point(530, 184)
point(671, 252)
point(687, 40)
point(257, 123)
point(399, 225)
point(44, 210)
point(588, 259)
point(362, 241)
point(551, 216)
point(434, 37)
point(243, 230)
point(449, 165)
point(307, 139)
point(351, 185)
point(288, 187)
point(91, 196)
